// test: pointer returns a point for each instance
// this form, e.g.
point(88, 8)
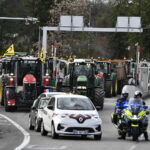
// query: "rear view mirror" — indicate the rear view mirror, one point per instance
point(147, 113)
point(33, 108)
point(51, 107)
point(145, 107)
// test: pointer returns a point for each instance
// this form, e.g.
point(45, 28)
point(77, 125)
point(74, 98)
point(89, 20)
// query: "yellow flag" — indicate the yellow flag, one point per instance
point(10, 51)
point(42, 58)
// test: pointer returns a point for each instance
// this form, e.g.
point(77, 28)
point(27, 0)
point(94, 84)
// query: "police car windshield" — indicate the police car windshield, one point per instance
point(69, 103)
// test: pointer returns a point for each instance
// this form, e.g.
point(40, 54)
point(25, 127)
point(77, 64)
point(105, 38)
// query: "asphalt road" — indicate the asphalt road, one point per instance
point(11, 137)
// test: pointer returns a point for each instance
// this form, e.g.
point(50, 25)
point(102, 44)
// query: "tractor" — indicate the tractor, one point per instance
point(104, 69)
point(116, 74)
point(82, 79)
point(22, 79)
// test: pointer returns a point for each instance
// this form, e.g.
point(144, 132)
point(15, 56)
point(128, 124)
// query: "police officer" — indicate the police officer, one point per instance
point(120, 105)
point(138, 100)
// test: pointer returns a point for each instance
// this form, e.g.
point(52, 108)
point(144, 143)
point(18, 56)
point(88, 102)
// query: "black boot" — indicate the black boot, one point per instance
point(146, 136)
point(123, 136)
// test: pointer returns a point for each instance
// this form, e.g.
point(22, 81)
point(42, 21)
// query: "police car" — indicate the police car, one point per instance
point(71, 114)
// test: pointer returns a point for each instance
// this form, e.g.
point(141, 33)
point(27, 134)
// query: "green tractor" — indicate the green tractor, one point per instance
point(82, 79)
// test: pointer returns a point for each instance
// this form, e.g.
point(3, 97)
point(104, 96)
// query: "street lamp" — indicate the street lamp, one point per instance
point(34, 20)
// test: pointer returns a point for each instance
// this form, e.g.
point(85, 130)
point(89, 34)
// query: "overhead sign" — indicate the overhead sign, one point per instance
point(77, 21)
point(71, 21)
point(65, 21)
point(76, 24)
point(135, 22)
point(128, 22)
point(122, 22)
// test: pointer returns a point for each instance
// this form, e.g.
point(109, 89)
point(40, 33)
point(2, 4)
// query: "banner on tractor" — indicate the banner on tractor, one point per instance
point(10, 51)
point(42, 58)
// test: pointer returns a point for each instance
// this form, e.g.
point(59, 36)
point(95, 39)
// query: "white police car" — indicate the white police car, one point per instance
point(72, 115)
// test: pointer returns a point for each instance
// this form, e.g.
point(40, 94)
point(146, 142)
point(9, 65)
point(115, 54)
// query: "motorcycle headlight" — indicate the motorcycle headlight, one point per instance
point(135, 117)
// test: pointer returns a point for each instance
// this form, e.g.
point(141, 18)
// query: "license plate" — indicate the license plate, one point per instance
point(77, 132)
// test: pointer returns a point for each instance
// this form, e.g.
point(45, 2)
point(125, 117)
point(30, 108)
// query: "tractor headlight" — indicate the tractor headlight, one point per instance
point(81, 87)
point(11, 74)
point(46, 74)
point(11, 79)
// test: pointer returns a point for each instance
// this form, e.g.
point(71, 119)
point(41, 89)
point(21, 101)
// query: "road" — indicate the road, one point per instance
point(11, 137)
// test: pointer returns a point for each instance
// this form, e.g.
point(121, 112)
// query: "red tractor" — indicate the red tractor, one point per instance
point(22, 80)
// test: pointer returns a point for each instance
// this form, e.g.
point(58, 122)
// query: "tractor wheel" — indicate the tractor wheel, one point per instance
point(1, 93)
point(2, 96)
point(11, 96)
point(115, 88)
point(7, 109)
point(99, 97)
point(108, 88)
point(65, 89)
point(120, 86)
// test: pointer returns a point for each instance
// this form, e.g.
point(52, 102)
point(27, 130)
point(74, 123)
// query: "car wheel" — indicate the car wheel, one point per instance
point(43, 131)
point(97, 137)
point(37, 127)
point(54, 134)
point(31, 127)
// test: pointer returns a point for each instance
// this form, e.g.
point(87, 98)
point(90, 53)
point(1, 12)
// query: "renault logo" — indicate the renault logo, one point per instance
point(80, 119)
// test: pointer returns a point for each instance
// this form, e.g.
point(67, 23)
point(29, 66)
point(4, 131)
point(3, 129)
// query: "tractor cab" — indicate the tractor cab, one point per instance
point(82, 74)
point(82, 79)
point(23, 79)
point(103, 69)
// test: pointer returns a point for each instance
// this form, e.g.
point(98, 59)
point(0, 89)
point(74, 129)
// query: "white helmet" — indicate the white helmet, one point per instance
point(138, 93)
point(131, 81)
point(125, 92)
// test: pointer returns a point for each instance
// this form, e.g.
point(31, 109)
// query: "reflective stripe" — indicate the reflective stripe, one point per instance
point(128, 112)
point(134, 125)
point(142, 113)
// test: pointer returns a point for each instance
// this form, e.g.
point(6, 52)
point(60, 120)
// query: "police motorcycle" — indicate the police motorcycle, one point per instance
point(116, 117)
point(134, 121)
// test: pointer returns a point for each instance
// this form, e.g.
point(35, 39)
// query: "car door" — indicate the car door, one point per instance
point(49, 113)
point(33, 111)
point(42, 104)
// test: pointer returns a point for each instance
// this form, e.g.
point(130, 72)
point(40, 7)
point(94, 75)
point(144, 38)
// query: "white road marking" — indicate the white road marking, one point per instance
point(39, 147)
point(5, 124)
point(26, 139)
point(132, 147)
